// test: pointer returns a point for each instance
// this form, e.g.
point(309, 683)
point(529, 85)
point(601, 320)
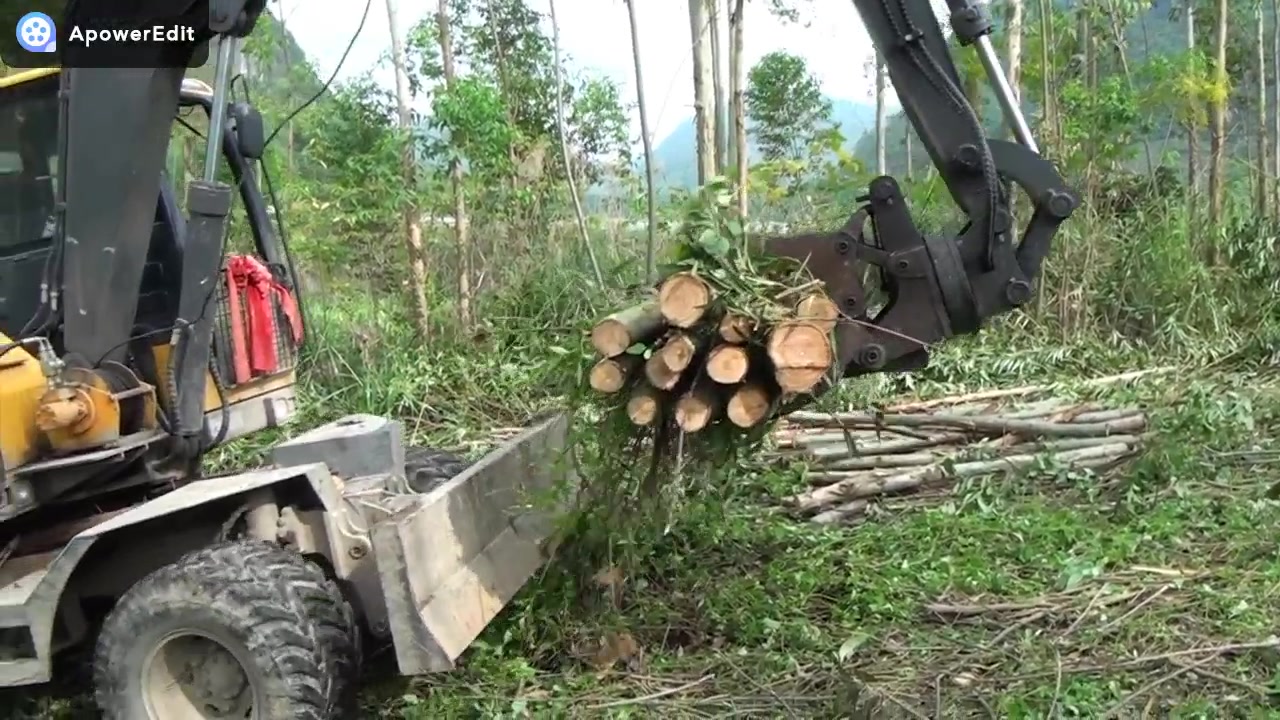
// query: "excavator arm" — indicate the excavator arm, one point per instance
point(113, 175)
point(936, 287)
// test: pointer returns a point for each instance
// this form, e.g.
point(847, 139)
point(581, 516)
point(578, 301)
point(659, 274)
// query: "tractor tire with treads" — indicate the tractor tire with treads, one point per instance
point(426, 468)
point(236, 626)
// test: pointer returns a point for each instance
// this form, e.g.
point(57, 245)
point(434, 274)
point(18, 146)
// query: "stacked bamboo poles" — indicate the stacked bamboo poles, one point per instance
point(852, 459)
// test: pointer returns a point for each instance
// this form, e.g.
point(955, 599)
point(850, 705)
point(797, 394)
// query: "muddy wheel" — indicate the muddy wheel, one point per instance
point(239, 630)
point(427, 468)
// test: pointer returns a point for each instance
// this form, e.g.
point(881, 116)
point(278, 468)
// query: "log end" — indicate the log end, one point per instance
point(728, 364)
point(683, 299)
point(610, 338)
point(642, 408)
point(748, 406)
point(660, 374)
point(608, 376)
point(736, 328)
point(801, 355)
point(693, 413)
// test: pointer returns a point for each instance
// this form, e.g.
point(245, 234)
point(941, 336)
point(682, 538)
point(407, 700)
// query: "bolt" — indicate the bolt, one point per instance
point(1060, 204)
point(1017, 292)
point(902, 264)
point(871, 356)
point(851, 303)
point(356, 552)
point(968, 157)
point(842, 247)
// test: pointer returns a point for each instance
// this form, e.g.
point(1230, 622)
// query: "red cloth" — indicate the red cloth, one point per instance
point(248, 275)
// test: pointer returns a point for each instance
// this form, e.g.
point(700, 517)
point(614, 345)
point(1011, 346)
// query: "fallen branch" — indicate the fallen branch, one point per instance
point(613, 335)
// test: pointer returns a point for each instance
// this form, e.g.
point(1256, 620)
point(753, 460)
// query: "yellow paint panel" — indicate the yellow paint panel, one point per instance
point(21, 385)
point(253, 388)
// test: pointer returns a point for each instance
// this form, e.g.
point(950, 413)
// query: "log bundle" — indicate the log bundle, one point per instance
point(852, 461)
point(692, 355)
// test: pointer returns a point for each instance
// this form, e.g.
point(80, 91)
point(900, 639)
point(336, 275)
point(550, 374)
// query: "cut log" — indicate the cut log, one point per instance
point(819, 309)
point(613, 335)
point(670, 360)
point(683, 299)
point(643, 406)
point(610, 374)
point(697, 408)
point(801, 355)
point(737, 328)
point(749, 406)
point(728, 364)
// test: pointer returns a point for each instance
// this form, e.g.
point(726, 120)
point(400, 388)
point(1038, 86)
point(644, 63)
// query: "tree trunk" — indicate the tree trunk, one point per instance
point(703, 90)
point(721, 126)
point(651, 245)
point(1218, 138)
point(462, 233)
point(1193, 145)
point(562, 126)
point(882, 117)
point(1014, 33)
point(1264, 147)
point(1048, 118)
point(1275, 109)
point(737, 87)
point(906, 142)
point(409, 211)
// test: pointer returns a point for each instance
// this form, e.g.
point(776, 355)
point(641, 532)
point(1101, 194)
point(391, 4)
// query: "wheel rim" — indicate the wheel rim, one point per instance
point(193, 676)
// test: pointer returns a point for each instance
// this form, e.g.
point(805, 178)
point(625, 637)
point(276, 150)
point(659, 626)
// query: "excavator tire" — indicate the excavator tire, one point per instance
point(427, 468)
point(238, 625)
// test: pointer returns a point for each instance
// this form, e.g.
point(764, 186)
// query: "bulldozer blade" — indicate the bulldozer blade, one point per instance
point(450, 560)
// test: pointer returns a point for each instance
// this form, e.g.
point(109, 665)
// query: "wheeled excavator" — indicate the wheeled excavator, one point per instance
point(132, 342)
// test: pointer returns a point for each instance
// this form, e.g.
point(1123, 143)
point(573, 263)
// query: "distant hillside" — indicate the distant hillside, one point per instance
point(675, 157)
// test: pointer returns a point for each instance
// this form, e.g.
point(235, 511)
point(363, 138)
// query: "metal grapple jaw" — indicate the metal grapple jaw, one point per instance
point(930, 288)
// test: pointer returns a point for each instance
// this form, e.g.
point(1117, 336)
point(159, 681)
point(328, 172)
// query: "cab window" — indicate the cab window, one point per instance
point(28, 162)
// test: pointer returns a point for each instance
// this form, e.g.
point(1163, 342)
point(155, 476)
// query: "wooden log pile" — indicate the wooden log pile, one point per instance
point(696, 355)
point(853, 460)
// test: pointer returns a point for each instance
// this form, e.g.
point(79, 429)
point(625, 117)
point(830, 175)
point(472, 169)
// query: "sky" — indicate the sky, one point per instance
point(595, 36)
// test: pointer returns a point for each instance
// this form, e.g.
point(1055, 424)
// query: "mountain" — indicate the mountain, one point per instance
point(675, 157)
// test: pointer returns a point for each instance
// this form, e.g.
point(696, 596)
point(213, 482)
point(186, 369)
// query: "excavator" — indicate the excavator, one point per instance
point(133, 342)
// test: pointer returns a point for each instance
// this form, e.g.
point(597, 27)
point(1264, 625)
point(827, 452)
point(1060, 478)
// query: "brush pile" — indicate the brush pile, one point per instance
point(854, 459)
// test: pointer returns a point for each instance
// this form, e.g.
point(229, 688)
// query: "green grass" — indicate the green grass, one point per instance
point(1100, 594)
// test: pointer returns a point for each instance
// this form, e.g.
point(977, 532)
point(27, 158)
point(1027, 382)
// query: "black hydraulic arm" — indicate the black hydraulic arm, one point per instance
point(937, 287)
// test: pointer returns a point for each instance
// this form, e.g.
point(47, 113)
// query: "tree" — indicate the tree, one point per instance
point(736, 89)
point(561, 126)
point(651, 245)
point(882, 116)
point(412, 224)
point(785, 106)
point(1218, 137)
point(460, 229)
point(721, 129)
point(703, 89)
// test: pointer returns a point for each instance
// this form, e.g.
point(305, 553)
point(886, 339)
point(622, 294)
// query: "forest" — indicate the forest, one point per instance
point(453, 259)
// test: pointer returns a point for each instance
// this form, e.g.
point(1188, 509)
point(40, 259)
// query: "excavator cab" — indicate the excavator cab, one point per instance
point(257, 328)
